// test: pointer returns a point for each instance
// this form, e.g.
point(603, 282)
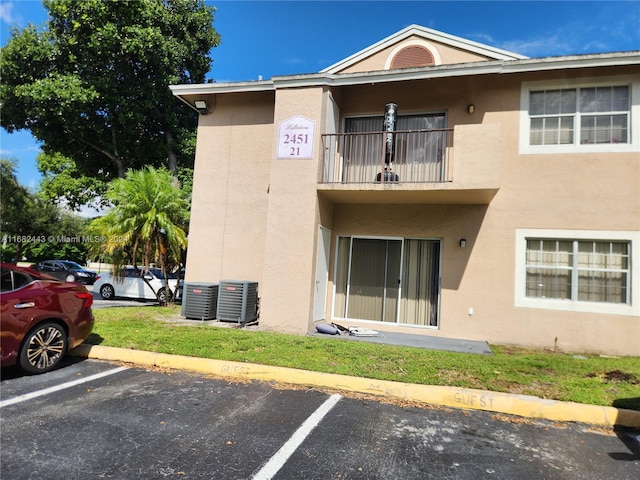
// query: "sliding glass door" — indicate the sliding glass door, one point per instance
point(420, 299)
point(388, 280)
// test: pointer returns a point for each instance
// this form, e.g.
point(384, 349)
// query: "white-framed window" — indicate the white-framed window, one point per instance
point(580, 116)
point(585, 271)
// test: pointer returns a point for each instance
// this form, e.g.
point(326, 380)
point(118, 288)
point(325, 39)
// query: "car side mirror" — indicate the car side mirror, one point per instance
point(148, 276)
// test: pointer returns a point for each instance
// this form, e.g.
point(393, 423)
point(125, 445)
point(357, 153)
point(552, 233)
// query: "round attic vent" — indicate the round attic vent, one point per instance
point(412, 56)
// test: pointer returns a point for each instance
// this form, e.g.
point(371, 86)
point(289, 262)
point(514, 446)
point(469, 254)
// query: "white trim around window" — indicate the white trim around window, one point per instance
point(633, 145)
point(631, 308)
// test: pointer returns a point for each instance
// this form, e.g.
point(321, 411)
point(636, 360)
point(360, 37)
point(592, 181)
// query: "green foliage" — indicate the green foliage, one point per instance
point(185, 177)
point(92, 85)
point(34, 228)
point(588, 379)
point(14, 199)
point(62, 180)
point(15, 204)
point(145, 223)
point(65, 238)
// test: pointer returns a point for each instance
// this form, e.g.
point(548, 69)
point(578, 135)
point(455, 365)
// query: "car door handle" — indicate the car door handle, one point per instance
point(25, 305)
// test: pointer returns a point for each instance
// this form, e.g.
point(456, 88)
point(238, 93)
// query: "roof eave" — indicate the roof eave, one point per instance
point(227, 87)
point(384, 76)
point(463, 69)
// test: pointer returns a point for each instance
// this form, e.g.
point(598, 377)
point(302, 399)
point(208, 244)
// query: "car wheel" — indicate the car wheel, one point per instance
point(162, 296)
point(43, 348)
point(107, 292)
point(70, 278)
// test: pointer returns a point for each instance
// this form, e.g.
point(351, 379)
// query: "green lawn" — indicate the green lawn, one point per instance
point(594, 380)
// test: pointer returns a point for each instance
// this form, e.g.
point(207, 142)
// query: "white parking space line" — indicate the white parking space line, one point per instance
point(276, 462)
point(57, 388)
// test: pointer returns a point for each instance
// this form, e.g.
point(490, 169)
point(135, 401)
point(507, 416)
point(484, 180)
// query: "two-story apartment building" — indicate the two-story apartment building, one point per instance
point(429, 185)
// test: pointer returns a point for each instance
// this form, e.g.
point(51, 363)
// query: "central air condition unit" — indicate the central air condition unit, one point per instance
point(200, 301)
point(238, 301)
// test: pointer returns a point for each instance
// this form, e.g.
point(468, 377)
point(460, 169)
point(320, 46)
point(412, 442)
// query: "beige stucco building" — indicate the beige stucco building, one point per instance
point(510, 210)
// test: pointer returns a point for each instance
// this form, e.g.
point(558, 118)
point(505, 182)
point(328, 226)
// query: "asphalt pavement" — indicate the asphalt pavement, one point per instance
point(95, 419)
point(525, 406)
point(463, 398)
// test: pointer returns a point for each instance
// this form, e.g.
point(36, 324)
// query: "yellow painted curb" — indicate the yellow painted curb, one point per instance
point(465, 398)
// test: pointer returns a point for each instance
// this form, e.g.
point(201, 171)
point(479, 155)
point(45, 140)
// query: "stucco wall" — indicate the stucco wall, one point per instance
point(481, 277)
point(287, 287)
point(230, 191)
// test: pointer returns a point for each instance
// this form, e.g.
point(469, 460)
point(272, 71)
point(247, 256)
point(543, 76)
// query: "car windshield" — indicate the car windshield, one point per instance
point(70, 264)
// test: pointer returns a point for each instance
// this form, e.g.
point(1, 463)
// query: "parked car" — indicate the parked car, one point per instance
point(136, 283)
point(67, 270)
point(42, 318)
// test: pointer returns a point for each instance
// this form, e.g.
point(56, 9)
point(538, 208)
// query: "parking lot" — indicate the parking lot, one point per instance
point(94, 419)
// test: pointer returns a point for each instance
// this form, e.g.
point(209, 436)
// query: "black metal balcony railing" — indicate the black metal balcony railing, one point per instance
point(419, 156)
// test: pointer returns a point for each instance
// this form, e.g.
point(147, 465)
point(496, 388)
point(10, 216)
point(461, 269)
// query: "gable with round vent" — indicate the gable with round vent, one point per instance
point(412, 56)
point(413, 53)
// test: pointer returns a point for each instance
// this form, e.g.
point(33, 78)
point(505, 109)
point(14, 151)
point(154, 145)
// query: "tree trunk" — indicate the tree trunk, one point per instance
point(173, 159)
point(120, 166)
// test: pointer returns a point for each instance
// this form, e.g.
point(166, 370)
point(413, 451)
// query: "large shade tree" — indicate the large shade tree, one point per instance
point(92, 86)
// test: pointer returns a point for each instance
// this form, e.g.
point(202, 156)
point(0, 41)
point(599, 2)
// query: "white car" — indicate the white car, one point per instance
point(132, 283)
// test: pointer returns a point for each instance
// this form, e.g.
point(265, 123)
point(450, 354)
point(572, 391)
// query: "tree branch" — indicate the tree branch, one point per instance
point(115, 158)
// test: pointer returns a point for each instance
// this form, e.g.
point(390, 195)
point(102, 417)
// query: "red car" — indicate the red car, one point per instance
point(41, 318)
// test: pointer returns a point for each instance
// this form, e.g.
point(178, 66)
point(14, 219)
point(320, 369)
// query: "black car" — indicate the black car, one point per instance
point(67, 271)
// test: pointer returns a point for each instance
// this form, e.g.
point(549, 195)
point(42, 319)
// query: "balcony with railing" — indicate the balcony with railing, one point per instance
point(412, 165)
point(411, 156)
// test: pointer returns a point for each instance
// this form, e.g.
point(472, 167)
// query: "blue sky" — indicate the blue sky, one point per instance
point(271, 38)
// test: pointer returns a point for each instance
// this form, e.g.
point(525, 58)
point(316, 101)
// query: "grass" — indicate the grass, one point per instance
point(590, 379)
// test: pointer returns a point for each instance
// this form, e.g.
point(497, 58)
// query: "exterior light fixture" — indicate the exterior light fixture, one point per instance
point(201, 106)
point(463, 242)
point(471, 108)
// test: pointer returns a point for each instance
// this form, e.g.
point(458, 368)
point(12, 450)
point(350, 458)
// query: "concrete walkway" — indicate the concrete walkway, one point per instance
point(418, 341)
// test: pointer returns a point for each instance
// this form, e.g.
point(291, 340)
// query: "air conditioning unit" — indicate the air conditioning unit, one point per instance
point(200, 301)
point(238, 301)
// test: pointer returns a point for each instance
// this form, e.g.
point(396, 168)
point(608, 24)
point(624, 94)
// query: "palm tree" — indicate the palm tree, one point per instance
point(147, 219)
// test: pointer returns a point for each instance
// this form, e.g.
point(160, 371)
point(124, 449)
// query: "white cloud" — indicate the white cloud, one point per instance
point(10, 152)
point(580, 37)
point(5, 12)
point(539, 47)
point(482, 38)
point(90, 210)
point(8, 15)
